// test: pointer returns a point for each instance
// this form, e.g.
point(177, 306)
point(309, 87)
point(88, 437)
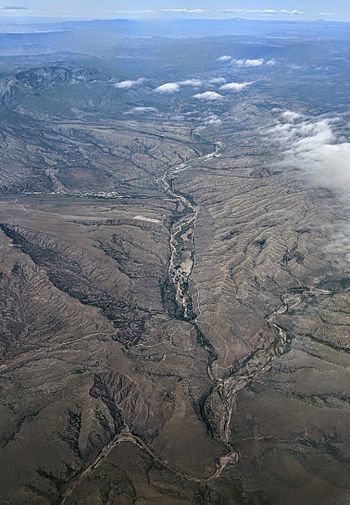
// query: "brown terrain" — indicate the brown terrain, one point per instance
point(174, 330)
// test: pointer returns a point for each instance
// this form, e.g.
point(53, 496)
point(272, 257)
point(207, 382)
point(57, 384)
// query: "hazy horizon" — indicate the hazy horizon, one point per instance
point(296, 10)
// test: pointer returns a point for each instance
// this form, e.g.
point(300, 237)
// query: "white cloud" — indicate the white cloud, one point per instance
point(265, 12)
point(234, 86)
point(313, 147)
point(191, 82)
point(225, 57)
point(253, 62)
point(293, 12)
point(291, 116)
point(168, 88)
point(209, 96)
point(174, 87)
point(185, 11)
point(271, 63)
point(256, 62)
point(217, 80)
point(129, 84)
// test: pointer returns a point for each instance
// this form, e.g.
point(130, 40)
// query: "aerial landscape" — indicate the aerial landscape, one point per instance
point(175, 253)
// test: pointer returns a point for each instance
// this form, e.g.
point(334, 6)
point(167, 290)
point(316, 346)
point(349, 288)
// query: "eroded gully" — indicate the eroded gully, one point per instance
point(182, 250)
point(181, 264)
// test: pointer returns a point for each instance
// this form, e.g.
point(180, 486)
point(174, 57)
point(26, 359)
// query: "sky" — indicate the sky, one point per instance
point(109, 9)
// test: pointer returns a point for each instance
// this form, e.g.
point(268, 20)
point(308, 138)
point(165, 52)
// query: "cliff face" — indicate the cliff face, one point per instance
point(36, 80)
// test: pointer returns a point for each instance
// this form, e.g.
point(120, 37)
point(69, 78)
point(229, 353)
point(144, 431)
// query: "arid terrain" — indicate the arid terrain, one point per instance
point(174, 278)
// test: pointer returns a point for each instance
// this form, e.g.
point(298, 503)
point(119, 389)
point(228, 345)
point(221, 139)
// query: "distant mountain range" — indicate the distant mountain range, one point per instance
point(187, 27)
